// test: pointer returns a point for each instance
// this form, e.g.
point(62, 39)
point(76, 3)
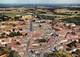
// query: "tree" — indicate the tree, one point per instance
point(14, 54)
point(16, 18)
point(78, 52)
point(18, 33)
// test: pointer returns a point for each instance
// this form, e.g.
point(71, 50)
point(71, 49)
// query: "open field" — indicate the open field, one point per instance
point(39, 32)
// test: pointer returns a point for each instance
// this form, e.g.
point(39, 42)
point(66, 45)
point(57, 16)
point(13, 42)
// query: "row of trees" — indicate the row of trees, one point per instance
point(59, 53)
point(9, 52)
point(75, 20)
point(6, 18)
point(11, 34)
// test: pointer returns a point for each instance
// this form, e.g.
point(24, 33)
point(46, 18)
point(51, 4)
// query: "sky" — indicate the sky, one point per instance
point(39, 1)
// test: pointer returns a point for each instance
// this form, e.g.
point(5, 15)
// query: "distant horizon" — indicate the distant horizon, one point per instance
point(39, 1)
point(38, 5)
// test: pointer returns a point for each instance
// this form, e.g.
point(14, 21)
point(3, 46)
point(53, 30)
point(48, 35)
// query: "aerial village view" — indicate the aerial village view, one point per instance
point(39, 32)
